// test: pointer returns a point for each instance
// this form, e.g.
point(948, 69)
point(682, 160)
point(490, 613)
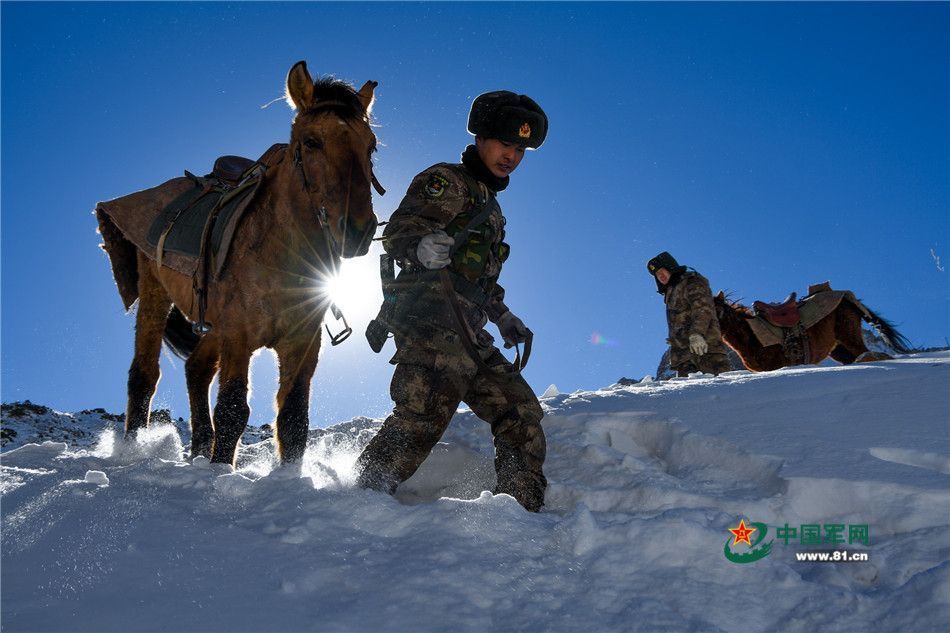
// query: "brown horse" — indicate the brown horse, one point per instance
point(837, 334)
point(314, 206)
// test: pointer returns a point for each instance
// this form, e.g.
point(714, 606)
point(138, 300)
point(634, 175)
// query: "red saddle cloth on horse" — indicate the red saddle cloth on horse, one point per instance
point(784, 314)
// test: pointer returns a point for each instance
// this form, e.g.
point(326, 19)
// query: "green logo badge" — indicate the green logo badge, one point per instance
point(435, 186)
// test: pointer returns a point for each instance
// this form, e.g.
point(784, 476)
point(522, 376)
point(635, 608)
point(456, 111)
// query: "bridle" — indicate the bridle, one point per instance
point(334, 248)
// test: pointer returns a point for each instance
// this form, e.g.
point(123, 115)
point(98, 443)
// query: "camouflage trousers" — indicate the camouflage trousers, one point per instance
point(709, 363)
point(433, 374)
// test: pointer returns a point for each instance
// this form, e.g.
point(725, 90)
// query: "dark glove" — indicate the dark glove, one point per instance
point(512, 330)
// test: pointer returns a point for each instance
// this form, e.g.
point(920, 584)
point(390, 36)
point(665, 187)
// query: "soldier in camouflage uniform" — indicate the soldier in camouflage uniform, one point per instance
point(695, 340)
point(450, 221)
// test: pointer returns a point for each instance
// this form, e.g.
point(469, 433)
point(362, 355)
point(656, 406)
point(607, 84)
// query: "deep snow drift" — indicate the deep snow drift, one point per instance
point(645, 482)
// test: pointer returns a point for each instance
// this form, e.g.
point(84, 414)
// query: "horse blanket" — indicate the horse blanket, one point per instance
point(175, 216)
point(812, 309)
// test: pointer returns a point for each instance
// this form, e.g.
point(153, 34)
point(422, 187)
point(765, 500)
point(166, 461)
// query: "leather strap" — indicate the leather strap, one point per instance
point(160, 247)
point(468, 337)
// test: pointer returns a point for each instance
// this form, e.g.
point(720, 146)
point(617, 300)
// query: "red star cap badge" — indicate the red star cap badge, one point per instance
point(742, 533)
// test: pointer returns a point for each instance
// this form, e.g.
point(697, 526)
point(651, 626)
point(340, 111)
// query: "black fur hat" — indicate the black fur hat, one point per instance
point(667, 261)
point(508, 117)
point(664, 260)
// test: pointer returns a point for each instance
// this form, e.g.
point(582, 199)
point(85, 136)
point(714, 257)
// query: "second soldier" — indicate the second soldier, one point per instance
point(694, 337)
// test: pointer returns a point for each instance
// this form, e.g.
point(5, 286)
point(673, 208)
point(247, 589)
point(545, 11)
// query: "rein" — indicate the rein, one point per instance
point(332, 250)
point(468, 336)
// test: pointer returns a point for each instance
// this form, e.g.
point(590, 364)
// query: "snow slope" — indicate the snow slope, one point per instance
point(645, 481)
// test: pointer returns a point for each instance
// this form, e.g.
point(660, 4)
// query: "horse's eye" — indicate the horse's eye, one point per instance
point(313, 143)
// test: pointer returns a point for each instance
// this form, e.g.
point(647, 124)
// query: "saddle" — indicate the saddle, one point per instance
point(231, 169)
point(199, 224)
point(786, 323)
point(186, 224)
point(784, 314)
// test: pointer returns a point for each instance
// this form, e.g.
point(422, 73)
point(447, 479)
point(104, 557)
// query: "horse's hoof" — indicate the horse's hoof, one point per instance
point(287, 470)
point(201, 451)
point(870, 357)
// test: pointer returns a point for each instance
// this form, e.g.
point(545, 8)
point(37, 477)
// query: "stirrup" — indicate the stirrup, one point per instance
point(201, 328)
point(336, 339)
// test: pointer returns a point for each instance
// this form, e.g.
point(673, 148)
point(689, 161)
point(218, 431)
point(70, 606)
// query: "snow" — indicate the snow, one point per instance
point(645, 481)
point(96, 477)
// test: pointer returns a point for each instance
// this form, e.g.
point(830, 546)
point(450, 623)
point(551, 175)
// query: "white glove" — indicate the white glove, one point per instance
point(512, 329)
point(697, 344)
point(433, 250)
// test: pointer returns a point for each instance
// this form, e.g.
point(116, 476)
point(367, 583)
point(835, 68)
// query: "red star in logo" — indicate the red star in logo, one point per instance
point(742, 533)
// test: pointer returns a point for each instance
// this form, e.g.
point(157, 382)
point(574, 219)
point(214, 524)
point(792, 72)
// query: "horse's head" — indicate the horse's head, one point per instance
point(729, 312)
point(720, 302)
point(332, 145)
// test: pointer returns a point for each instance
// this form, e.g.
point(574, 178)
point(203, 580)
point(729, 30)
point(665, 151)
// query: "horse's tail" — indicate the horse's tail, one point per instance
point(179, 336)
point(885, 329)
point(122, 256)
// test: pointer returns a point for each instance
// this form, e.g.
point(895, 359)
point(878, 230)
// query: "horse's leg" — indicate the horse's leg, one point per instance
point(231, 411)
point(848, 331)
point(144, 372)
point(298, 361)
point(199, 372)
point(821, 339)
point(842, 355)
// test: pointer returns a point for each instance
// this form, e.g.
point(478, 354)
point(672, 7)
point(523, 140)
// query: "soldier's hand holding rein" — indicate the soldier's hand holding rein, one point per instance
point(433, 250)
point(698, 345)
point(512, 329)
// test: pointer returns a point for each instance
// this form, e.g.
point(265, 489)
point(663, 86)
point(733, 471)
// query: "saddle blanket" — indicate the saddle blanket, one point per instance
point(812, 310)
point(183, 222)
point(182, 206)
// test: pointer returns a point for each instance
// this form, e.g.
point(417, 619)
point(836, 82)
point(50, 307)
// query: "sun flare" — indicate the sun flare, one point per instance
point(355, 288)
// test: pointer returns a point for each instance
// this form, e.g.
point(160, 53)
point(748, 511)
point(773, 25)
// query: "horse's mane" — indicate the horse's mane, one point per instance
point(338, 97)
point(737, 306)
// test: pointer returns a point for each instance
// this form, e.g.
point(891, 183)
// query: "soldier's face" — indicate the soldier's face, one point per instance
point(662, 275)
point(500, 157)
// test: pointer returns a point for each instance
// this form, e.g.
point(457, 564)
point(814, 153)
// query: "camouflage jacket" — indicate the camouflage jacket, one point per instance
point(690, 310)
point(440, 198)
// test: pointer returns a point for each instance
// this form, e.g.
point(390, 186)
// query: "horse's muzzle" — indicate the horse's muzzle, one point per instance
point(357, 239)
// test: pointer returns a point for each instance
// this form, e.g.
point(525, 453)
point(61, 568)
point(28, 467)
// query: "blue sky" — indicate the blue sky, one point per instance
point(770, 146)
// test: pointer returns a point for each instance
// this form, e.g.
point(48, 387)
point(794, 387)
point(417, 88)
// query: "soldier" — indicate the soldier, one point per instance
point(447, 236)
point(695, 340)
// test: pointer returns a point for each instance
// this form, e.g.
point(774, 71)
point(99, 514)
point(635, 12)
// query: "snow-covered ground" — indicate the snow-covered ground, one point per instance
point(645, 482)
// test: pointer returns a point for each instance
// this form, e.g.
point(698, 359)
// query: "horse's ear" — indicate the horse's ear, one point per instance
point(299, 87)
point(366, 95)
point(721, 295)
